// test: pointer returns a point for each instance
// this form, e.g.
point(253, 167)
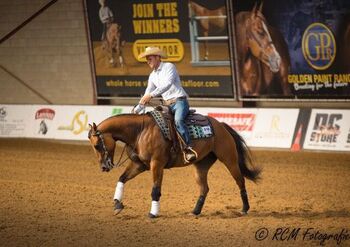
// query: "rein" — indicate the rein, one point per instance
point(105, 152)
point(256, 45)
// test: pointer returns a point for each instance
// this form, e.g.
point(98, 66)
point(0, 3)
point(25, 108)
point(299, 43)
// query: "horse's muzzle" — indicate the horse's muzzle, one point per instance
point(105, 169)
point(107, 165)
point(275, 63)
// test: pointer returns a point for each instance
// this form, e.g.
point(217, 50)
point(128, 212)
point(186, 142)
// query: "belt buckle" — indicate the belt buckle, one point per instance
point(170, 101)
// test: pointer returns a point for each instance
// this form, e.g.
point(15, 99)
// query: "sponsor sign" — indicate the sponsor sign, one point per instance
point(194, 35)
point(14, 120)
point(308, 56)
point(328, 130)
point(42, 120)
point(242, 120)
point(274, 128)
point(173, 48)
point(72, 122)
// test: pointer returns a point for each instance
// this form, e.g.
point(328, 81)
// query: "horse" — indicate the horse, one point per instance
point(262, 53)
point(112, 44)
point(211, 23)
point(149, 150)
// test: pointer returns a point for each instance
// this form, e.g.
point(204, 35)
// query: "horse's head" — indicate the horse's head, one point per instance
point(103, 144)
point(259, 40)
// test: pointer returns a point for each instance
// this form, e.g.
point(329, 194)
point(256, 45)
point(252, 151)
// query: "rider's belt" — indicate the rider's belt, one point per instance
point(173, 100)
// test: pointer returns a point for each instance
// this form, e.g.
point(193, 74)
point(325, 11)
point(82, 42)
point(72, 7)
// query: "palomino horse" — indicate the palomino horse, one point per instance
point(113, 44)
point(210, 23)
point(149, 150)
point(263, 57)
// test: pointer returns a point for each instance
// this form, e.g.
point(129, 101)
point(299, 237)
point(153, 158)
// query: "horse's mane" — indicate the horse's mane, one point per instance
point(124, 115)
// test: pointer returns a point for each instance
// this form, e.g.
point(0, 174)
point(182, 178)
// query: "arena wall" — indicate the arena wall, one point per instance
point(48, 57)
point(293, 129)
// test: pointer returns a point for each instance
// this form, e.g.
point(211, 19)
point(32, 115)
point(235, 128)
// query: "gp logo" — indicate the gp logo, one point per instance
point(319, 46)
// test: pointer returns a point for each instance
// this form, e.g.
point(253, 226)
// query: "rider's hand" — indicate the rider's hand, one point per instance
point(145, 99)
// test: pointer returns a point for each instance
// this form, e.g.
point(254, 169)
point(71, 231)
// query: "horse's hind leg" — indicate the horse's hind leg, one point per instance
point(202, 168)
point(230, 160)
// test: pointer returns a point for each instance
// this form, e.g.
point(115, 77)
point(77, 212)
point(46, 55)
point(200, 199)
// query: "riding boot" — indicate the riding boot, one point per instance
point(189, 154)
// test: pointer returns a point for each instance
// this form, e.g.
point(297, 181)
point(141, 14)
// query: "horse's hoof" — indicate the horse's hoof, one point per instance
point(117, 211)
point(152, 216)
point(195, 213)
point(243, 213)
point(118, 207)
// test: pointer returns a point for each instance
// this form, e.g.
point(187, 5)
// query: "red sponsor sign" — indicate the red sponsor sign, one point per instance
point(238, 121)
point(45, 113)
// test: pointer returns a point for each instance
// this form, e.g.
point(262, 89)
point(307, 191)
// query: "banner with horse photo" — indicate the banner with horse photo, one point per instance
point(293, 49)
point(193, 33)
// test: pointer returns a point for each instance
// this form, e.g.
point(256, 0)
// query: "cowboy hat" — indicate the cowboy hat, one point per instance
point(152, 50)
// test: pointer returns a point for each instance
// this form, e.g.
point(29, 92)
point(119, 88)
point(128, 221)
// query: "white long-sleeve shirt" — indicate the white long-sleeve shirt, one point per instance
point(165, 81)
point(105, 14)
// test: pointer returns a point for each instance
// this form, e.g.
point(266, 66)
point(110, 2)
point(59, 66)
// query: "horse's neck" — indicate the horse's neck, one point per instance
point(196, 8)
point(200, 10)
point(123, 128)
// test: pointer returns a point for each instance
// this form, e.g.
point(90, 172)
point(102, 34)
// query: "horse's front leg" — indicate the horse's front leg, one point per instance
point(131, 171)
point(157, 173)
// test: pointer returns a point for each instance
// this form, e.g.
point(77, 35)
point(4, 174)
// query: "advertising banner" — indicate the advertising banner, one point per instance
point(14, 120)
point(242, 120)
point(293, 49)
point(194, 35)
point(274, 128)
point(328, 130)
point(72, 122)
point(41, 121)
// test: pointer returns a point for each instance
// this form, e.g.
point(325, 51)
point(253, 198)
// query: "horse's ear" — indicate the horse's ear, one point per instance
point(261, 6)
point(94, 127)
point(254, 9)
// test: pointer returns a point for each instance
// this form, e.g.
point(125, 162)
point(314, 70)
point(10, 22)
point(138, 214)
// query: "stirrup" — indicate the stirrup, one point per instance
point(193, 152)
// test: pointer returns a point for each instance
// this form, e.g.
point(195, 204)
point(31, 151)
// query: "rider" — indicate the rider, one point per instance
point(165, 81)
point(106, 17)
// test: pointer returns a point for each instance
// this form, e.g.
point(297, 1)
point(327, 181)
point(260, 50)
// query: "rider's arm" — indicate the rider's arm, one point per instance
point(147, 96)
point(150, 87)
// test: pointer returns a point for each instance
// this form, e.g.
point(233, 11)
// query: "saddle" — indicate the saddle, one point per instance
point(198, 126)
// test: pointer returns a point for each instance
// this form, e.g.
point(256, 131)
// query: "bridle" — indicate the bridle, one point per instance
point(106, 157)
point(255, 44)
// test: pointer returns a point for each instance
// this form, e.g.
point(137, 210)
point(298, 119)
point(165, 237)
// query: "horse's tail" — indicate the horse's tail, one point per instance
point(244, 156)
